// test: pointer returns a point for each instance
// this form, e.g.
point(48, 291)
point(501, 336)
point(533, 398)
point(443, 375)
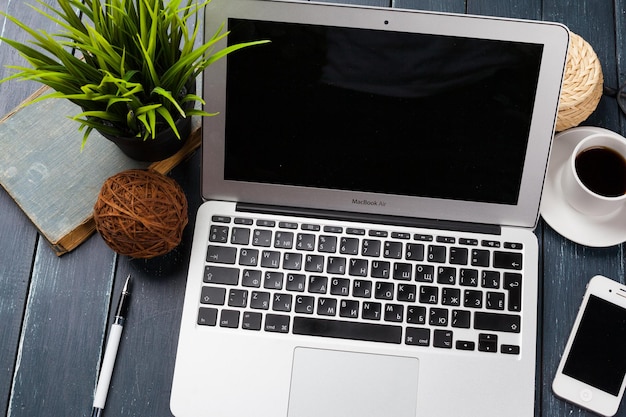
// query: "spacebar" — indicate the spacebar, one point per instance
point(347, 330)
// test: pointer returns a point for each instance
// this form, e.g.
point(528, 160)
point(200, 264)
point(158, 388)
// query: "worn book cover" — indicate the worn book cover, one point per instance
point(54, 182)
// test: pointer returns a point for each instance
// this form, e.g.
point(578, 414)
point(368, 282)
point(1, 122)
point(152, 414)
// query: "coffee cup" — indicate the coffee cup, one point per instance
point(594, 176)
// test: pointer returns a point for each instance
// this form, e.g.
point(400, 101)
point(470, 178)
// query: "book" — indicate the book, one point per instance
point(53, 180)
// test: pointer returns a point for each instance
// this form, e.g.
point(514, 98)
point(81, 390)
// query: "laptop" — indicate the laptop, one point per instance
point(372, 182)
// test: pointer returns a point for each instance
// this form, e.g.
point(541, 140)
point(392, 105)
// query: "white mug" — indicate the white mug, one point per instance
point(589, 197)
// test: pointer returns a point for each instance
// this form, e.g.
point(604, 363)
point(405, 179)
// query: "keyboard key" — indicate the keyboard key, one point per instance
point(417, 336)
point(281, 302)
point(336, 265)
point(414, 252)
point(497, 322)
point(221, 275)
point(406, 292)
point(490, 279)
point(251, 278)
point(237, 298)
point(442, 339)
point(487, 342)
point(283, 240)
point(265, 223)
point(424, 273)
point(480, 257)
point(509, 349)
point(394, 313)
point(402, 271)
point(207, 316)
point(362, 288)
point(513, 284)
point(213, 295)
point(270, 259)
point(296, 282)
point(218, 234)
point(304, 304)
point(260, 300)
point(273, 280)
point(358, 267)
point(428, 294)
point(318, 284)
point(461, 319)
point(473, 298)
point(436, 253)
point(340, 286)
point(314, 263)
point(349, 246)
point(292, 261)
point(305, 242)
point(349, 309)
point(240, 236)
point(347, 330)
point(438, 317)
point(277, 323)
point(371, 311)
point(248, 257)
point(458, 256)
point(495, 301)
point(451, 296)
point(381, 269)
point(229, 318)
point(221, 254)
point(465, 345)
point(383, 290)
point(327, 244)
point(262, 238)
point(371, 247)
point(326, 306)
point(220, 219)
point(446, 275)
point(416, 315)
point(393, 250)
point(507, 260)
point(468, 277)
point(251, 321)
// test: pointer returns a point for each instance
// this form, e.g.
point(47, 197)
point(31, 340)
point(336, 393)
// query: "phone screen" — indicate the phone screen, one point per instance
point(598, 353)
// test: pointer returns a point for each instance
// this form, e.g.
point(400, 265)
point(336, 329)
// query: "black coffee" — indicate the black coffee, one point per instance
point(602, 170)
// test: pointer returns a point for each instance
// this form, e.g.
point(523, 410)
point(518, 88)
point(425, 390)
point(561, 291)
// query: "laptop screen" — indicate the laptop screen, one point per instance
point(379, 111)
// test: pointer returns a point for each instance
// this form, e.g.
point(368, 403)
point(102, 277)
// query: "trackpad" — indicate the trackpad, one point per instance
point(345, 384)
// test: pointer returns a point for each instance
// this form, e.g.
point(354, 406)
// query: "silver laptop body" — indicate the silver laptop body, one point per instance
point(372, 181)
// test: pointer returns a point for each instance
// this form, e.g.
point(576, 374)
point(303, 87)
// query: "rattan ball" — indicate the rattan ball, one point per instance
point(140, 213)
point(582, 84)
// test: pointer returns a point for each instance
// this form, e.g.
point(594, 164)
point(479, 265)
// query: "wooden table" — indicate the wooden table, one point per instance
point(54, 312)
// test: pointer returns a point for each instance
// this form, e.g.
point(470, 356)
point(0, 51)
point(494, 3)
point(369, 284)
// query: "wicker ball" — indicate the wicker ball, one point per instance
point(141, 214)
point(582, 84)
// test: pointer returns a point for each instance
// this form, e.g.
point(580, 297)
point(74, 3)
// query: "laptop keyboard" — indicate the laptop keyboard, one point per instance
point(403, 287)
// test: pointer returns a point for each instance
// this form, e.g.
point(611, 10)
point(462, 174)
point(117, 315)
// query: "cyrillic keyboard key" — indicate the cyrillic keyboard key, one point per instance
point(497, 322)
point(347, 330)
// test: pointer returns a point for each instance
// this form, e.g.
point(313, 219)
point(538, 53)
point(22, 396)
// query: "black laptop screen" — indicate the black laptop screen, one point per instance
point(378, 111)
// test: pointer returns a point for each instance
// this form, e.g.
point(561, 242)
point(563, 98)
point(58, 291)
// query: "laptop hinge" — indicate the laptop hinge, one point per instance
point(371, 218)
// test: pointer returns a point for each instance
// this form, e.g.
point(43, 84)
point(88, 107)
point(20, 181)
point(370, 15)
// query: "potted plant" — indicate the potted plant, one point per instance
point(131, 66)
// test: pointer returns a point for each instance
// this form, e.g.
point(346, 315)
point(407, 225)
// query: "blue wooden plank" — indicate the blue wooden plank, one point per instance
point(526, 9)
point(63, 330)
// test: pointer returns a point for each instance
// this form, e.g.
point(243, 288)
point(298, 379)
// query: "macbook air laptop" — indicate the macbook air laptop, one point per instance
point(372, 181)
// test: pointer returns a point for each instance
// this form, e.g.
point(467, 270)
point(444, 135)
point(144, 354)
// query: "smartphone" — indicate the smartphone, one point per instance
point(592, 370)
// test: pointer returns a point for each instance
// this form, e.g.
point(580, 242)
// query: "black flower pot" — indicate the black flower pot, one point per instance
point(164, 145)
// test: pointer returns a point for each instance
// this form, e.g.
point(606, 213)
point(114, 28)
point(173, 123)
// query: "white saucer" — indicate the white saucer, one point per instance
point(600, 231)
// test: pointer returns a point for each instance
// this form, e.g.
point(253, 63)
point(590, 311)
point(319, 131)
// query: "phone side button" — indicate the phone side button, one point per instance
point(586, 395)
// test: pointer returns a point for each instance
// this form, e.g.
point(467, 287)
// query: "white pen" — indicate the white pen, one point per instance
point(111, 350)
